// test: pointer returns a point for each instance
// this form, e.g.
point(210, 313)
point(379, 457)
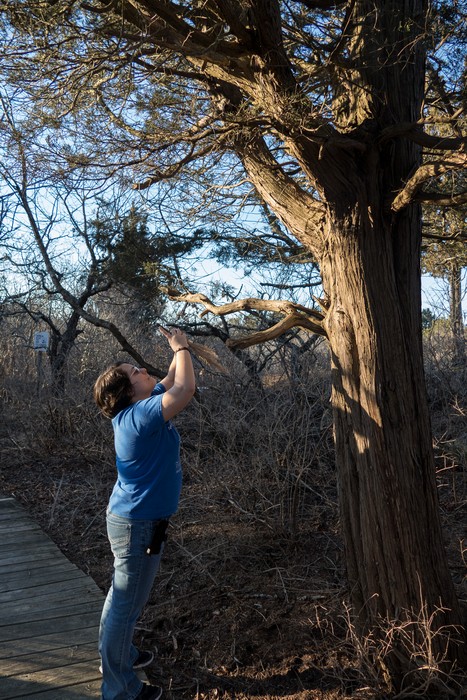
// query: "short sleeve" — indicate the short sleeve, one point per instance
point(158, 389)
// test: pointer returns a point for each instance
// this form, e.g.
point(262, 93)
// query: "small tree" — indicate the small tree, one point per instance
point(61, 254)
point(428, 318)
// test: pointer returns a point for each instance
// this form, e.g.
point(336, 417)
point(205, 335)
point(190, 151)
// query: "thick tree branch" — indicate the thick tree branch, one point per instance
point(412, 131)
point(441, 199)
point(295, 315)
point(426, 172)
point(292, 320)
point(257, 63)
point(298, 210)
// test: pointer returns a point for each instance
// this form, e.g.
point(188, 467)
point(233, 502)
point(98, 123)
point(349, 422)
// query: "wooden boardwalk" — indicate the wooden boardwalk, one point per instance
point(49, 616)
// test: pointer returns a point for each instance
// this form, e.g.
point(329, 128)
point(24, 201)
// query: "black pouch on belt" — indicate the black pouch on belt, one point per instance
point(158, 537)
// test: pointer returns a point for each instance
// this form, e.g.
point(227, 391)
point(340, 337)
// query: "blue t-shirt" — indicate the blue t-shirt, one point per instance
point(148, 461)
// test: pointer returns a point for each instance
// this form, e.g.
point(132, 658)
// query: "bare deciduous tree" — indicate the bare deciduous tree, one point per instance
point(40, 239)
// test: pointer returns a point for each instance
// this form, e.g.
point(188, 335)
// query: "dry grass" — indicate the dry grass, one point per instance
point(251, 597)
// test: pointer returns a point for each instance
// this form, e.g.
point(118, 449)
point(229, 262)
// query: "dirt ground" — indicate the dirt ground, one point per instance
point(238, 610)
point(245, 606)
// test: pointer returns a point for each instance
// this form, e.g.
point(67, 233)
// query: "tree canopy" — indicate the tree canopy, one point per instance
point(162, 90)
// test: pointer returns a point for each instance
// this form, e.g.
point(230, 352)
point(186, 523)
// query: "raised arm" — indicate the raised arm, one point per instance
point(168, 380)
point(180, 380)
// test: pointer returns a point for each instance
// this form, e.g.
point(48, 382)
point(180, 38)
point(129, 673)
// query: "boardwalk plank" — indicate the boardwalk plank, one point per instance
point(27, 562)
point(17, 526)
point(21, 583)
point(79, 691)
point(11, 512)
point(47, 642)
point(8, 505)
point(35, 566)
point(66, 623)
point(18, 686)
point(29, 537)
point(39, 604)
point(11, 516)
point(54, 611)
point(10, 549)
point(56, 658)
point(75, 586)
point(13, 551)
point(36, 575)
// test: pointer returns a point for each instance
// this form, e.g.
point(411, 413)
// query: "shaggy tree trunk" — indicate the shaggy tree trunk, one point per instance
point(390, 517)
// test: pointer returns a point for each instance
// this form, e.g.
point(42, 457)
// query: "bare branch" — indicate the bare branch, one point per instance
point(172, 171)
point(304, 285)
point(322, 4)
point(440, 87)
point(295, 315)
point(337, 48)
point(459, 236)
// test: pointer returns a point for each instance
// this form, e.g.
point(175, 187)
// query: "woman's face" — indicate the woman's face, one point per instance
point(140, 380)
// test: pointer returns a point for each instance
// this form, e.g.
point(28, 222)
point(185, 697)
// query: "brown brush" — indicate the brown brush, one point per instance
point(208, 355)
point(204, 353)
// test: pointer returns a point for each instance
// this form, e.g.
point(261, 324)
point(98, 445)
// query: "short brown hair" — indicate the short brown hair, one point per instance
point(113, 390)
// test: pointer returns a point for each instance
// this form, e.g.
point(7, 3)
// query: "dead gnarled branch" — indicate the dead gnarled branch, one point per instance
point(295, 316)
point(292, 320)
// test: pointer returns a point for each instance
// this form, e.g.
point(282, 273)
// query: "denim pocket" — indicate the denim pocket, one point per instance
point(119, 534)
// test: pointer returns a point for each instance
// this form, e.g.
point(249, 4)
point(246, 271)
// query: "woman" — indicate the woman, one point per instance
point(144, 497)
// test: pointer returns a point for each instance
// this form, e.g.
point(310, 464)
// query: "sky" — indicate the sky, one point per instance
point(435, 295)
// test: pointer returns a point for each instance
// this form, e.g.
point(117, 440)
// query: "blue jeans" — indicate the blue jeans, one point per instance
point(133, 577)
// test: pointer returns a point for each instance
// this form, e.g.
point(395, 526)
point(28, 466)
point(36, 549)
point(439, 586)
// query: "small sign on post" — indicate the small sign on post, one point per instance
point(41, 345)
point(41, 341)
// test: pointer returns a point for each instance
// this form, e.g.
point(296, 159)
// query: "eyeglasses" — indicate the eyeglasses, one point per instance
point(135, 371)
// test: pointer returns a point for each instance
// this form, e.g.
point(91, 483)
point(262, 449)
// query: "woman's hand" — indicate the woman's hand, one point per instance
point(177, 339)
point(181, 392)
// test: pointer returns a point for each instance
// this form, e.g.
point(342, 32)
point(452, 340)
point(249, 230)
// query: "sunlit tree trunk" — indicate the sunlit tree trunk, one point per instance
point(390, 517)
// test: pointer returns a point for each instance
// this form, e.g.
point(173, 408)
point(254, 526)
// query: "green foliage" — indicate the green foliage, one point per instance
point(134, 258)
point(428, 319)
point(130, 260)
